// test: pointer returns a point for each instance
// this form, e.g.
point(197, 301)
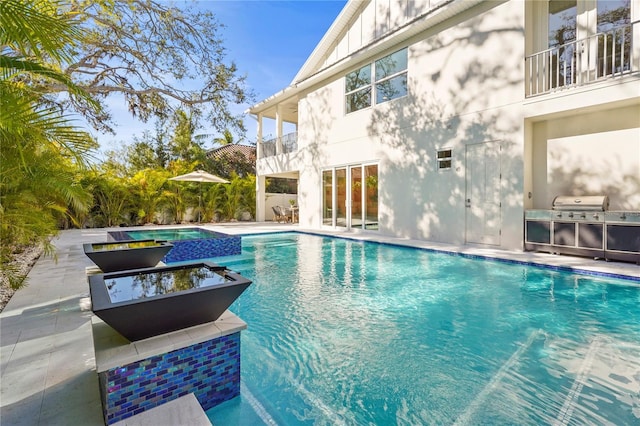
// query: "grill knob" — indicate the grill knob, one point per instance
point(583, 216)
point(571, 214)
point(595, 216)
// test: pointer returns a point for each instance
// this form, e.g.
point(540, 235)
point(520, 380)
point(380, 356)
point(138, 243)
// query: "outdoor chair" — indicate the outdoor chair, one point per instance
point(278, 214)
point(281, 214)
point(287, 213)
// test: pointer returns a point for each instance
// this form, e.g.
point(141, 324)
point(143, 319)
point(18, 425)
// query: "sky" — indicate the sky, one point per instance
point(268, 40)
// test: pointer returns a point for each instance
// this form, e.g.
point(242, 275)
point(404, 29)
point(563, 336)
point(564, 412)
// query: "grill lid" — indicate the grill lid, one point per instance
point(581, 203)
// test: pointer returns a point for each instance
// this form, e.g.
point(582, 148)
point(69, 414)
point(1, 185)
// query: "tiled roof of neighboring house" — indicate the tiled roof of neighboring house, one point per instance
point(232, 149)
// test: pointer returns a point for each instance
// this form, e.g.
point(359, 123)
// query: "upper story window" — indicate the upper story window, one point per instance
point(562, 21)
point(390, 82)
point(612, 14)
point(358, 89)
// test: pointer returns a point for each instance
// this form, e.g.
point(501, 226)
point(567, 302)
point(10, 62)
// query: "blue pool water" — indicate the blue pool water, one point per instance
point(175, 234)
point(344, 332)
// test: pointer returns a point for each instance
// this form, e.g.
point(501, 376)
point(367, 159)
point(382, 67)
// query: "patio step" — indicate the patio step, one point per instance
point(185, 410)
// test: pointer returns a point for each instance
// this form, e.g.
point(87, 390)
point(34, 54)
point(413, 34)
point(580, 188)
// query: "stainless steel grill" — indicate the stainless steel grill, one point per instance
point(589, 203)
point(584, 226)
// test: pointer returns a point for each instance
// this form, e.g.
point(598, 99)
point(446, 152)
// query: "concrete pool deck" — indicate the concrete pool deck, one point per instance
point(47, 361)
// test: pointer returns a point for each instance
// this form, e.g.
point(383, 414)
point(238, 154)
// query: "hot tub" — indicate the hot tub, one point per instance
point(119, 256)
point(151, 301)
point(191, 243)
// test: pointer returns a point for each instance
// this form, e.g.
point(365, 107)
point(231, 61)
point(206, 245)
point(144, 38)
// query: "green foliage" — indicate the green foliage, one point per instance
point(182, 144)
point(41, 152)
point(146, 191)
point(282, 186)
point(229, 201)
point(225, 139)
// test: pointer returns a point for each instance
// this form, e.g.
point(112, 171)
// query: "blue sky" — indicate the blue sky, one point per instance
point(269, 42)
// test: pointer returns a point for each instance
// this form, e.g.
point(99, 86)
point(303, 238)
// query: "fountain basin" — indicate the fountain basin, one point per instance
point(124, 255)
point(147, 302)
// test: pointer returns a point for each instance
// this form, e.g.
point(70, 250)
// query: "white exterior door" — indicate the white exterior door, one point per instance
point(483, 197)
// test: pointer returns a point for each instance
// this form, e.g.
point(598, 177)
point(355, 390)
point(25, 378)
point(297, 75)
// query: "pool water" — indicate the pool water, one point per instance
point(345, 332)
point(173, 234)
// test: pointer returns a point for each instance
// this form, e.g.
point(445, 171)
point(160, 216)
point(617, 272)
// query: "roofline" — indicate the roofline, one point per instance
point(330, 37)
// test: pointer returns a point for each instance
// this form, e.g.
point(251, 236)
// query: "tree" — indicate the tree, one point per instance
point(182, 144)
point(40, 149)
point(146, 187)
point(225, 139)
point(159, 57)
point(230, 200)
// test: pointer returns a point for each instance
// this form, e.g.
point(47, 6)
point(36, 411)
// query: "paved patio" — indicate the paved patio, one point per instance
point(47, 362)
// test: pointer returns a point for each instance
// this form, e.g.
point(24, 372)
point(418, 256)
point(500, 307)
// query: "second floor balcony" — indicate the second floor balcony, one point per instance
point(282, 145)
point(610, 54)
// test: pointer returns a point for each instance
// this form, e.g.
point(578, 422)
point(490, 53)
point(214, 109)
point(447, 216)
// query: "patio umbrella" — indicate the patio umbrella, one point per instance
point(199, 176)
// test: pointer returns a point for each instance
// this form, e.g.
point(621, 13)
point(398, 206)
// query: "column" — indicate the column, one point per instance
point(279, 149)
point(261, 197)
point(259, 148)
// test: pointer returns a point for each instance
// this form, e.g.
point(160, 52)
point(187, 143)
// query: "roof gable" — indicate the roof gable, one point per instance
point(359, 24)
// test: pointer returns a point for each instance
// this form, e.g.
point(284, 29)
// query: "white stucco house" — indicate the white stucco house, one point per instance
point(444, 120)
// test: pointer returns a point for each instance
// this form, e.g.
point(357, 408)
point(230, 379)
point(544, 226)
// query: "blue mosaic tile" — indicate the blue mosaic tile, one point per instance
point(139, 386)
point(184, 250)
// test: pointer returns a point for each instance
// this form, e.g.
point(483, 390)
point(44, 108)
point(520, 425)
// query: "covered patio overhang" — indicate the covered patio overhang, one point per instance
point(266, 198)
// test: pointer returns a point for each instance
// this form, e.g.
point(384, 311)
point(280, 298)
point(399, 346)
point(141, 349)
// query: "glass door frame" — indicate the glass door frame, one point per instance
point(348, 201)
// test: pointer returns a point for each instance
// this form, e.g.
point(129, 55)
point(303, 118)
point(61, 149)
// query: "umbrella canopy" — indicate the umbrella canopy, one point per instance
point(199, 176)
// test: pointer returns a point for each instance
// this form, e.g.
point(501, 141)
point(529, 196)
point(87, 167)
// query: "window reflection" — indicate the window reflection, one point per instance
point(371, 196)
point(327, 197)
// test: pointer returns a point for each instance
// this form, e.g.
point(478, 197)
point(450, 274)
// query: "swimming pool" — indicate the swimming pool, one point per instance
point(344, 332)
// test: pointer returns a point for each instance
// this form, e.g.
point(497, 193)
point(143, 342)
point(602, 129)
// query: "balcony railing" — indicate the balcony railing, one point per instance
point(288, 143)
point(603, 55)
point(268, 148)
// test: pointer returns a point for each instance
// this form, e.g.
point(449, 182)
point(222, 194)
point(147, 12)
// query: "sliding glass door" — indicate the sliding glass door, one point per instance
point(370, 197)
point(327, 197)
point(356, 196)
point(350, 197)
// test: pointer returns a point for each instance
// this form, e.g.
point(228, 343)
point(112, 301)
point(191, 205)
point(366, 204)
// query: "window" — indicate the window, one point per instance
point(562, 31)
point(358, 89)
point(562, 22)
point(391, 76)
point(614, 36)
point(390, 82)
point(444, 159)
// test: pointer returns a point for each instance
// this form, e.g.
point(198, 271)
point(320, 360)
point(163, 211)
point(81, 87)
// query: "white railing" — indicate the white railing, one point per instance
point(283, 145)
point(268, 148)
point(603, 55)
point(289, 142)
